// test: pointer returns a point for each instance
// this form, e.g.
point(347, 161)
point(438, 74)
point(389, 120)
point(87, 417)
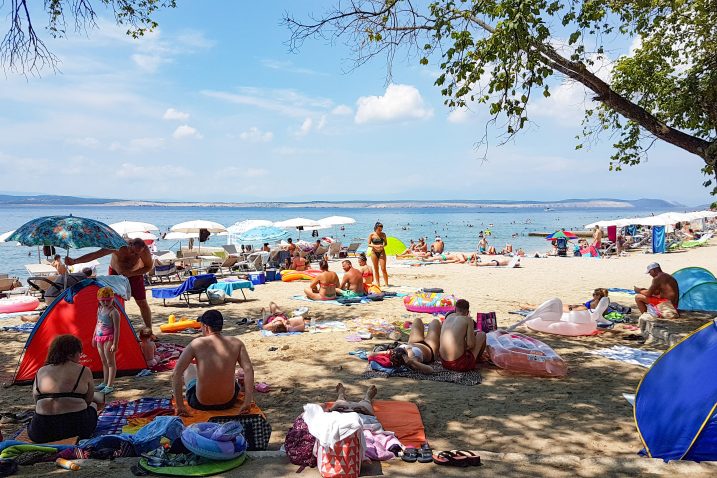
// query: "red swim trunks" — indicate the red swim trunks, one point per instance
point(464, 363)
point(655, 300)
point(136, 284)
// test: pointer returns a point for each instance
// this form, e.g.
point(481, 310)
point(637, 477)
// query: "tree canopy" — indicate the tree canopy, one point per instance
point(502, 52)
point(22, 48)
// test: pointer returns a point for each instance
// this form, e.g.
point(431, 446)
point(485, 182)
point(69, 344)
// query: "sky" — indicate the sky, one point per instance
point(212, 106)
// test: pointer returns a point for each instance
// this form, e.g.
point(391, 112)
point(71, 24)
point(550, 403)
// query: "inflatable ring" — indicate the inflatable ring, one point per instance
point(18, 304)
point(215, 441)
point(430, 303)
point(290, 275)
point(519, 353)
point(180, 325)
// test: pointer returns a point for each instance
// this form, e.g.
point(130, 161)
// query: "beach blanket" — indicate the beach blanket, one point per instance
point(168, 354)
point(24, 328)
point(22, 436)
point(352, 300)
point(269, 333)
point(624, 291)
point(11, 315)
point(115, 414)
point(401, 418)
point(643, 358)
point(172, 292)
point(439, 374)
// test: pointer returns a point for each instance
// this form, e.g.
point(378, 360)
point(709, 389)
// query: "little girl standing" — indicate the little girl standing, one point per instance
point(106, 337)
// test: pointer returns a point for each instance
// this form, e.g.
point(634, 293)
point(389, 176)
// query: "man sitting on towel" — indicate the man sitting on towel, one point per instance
point(352, 281)
point(662, 294)
point(461, 346)
point(211, 383)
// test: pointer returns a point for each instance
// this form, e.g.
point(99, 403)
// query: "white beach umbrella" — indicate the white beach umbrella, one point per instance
point(180, 236)
point(145, 236)
point(243, 226)
point(336, 221)
point(3, 237)
point(296, 223)
point(124, 228)
point(196, 226)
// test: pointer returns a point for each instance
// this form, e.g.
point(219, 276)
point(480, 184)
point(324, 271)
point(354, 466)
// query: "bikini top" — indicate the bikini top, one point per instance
point(378, 240)
point(417, 352)
point(71, 394)
point(367, 274)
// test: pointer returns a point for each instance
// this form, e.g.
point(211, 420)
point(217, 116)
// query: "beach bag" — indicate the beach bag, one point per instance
point(257, 430)
point(486, 322)
point(216, 297)
point(299, 444)
point(341, 461)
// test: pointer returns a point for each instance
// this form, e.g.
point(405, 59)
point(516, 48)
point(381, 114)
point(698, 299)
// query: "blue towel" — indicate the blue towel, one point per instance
point(22, 328)
point(658, 239)
point(172, 292)
point(624, 291)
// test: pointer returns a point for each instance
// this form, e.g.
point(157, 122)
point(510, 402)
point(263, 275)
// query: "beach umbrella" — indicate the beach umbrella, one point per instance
point(3, 237)
point(124, 228)
point(198, 225)
point(394, 246)
point(262, 234)
point(243, 226)
point(180, 236)
point(561, 235)
point(145, 236)
point(336, 221)
point(67, 232)
point(299, 223)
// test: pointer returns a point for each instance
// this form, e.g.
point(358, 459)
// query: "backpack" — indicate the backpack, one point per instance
point(299, 444)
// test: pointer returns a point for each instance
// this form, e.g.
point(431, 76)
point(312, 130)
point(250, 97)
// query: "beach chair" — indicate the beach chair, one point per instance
point(163, 270)
point(231, 250)
point(317, 254)
point(334, 251)
point(51, 287)
point(11, 286)
point(194, 285)
point(224, 267)
point(351, 249)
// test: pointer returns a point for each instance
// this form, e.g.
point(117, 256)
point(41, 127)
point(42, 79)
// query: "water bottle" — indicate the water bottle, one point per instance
point(67, 464)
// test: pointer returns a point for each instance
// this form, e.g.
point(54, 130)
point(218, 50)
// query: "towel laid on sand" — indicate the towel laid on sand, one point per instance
point(115, 414)
point(439, 374)
point(644, 358)
point(24, 328)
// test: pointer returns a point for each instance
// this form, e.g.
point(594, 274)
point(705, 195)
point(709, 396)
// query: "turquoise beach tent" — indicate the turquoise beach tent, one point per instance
point(676, 400)
point(698, 289)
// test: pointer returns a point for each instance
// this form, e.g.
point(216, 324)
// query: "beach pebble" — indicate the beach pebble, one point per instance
point(467, 413)
point(285, 347)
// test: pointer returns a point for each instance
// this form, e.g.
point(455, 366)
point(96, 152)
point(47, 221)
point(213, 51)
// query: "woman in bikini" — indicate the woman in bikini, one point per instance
point(278, 321)
point(420, 350)
point(324, 286)
point(368, 286)
point(377, 242)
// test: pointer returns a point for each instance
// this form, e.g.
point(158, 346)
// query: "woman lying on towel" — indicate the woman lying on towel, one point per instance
point(277, 321)
point(364, 406)
point(324, 285)
point(590, 304)
point(64, 393)
point(418, 352)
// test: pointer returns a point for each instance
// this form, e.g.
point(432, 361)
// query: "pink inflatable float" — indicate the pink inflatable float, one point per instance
point(18, 304)
point(430, 303)
point(550, 318)
point(522, 354)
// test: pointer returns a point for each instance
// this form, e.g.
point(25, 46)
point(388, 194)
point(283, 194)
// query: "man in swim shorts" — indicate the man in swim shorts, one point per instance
point(663, 293)
point(461, 346)
point(352, 281)
point(132, 261)
point(211, 383)
point(438, 246)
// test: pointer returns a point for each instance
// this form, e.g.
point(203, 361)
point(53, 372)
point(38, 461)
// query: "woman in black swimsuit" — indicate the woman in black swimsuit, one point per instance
point(377, 241)
point(63, 393)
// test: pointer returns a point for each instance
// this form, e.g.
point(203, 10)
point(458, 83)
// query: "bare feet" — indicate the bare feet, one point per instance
point(371, 392)
point(341, 391)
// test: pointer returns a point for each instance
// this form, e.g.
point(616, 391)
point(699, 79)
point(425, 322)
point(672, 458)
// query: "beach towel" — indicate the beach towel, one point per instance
point(439, 375)
point(658, 239)
point(11, 315)
point(115, 414)
point(401, 418)
point(24, 328)
point(623, 291)
point(643, 358)
point(172, 292)
point(168, 354)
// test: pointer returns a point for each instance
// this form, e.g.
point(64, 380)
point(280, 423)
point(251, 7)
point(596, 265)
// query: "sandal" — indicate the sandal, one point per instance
point(448, 458)
point(425, 454)
point(471, 457)
point(409, 455)
point(107, 390)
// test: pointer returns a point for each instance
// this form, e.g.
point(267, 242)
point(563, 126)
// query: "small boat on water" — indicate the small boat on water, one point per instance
point(548, 209)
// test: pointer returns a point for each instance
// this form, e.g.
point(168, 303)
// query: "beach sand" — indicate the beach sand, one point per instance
point(576, 426)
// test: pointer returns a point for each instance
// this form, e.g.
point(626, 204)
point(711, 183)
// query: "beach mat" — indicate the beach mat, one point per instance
point(209, 468)
point(439, 374)
point(115, 415)
point(401, 418)
point(202, 416)
point(23, 436)
point(643, 358)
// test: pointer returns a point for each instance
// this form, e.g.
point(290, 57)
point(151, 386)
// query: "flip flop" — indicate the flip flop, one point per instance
point(447, 458)
point(425, 454)
point(471, 457)
point(410, 455)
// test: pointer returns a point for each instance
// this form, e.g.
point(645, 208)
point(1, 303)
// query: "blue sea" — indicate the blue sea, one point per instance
point(458, 227)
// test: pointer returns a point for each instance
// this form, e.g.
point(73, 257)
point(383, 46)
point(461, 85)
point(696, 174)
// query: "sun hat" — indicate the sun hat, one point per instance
point(651, 266)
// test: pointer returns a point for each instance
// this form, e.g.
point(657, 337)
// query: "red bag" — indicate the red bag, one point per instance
point(486, 322)
point(341, 461)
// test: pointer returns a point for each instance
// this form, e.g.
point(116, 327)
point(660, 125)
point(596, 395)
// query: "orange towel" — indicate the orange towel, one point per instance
point(22, 436)
point(201, 416)
point(401, 418)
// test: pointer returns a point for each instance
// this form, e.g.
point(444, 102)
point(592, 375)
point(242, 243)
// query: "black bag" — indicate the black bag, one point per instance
point(48, 251)
point(203, 235)
point(257, 429)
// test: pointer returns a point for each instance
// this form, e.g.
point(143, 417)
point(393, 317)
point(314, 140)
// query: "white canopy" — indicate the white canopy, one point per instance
point(145, 236)
point(243, 226)
point(336, 221)
point(196, 226)
point(180, 236)
point(124, 228)
point(664, 219)
point(297, 222)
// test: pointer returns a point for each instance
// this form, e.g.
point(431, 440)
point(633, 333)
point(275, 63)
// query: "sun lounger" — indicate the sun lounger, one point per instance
point(194, 285)
point(351, 249)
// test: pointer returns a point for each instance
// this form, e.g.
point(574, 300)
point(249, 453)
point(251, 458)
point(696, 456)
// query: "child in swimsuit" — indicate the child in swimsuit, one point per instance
point(106, 337)
point(148, 347)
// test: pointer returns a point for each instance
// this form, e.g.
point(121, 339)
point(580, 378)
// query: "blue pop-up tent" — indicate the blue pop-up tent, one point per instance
point(698, 289)
point(676, 400)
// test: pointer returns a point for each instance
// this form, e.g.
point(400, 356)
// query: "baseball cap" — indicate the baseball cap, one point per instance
point(212, 318)
point(651, 266)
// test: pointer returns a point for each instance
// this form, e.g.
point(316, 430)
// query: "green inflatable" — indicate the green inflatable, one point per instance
point(394, 247)
point(209, 468)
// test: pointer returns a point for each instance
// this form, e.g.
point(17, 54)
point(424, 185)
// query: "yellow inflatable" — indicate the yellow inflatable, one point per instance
point(174, 325)
point(292, 275)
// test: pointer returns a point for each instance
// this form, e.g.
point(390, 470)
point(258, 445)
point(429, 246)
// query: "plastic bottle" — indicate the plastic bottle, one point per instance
point(67, 464)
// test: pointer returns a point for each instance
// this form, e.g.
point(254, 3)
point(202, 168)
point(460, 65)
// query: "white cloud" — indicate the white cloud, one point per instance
point(460, 115)
point(322, 122)
point(151, 173)
point(399, 103)
point(172, 114)
point(286, 102)
point(138, 145)
point(148, 63)
point(186, 131)
point(87, 142)
point(255, 172)
point(305, 127)
point(288, 66)
point(255, 135)
point(342, 110)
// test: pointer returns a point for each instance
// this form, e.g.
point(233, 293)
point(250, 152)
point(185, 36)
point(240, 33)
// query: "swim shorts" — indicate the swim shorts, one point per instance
point(193, 401)
point(464, 363)
point(664, 307)
point(136, 284)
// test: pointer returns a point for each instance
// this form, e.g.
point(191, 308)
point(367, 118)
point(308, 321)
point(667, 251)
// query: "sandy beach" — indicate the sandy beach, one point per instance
point(576, 426)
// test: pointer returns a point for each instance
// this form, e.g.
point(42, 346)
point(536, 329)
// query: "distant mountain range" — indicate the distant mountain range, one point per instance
point(51, 200)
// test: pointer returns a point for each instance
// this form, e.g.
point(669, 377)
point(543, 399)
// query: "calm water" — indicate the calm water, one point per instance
point(458, 227)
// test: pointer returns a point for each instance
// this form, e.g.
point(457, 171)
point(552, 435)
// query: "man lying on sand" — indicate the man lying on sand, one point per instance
point(461, 346)
point(514, 262)
point(210, 384)
point(663, 293)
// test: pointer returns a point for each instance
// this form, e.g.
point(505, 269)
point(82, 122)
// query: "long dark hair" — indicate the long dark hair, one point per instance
point(398, 356)
point(62, 348)
point(323, 265)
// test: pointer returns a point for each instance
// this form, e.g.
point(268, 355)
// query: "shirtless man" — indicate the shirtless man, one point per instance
point(132, 261)
point(57, 264)
point(352, 280)
point(438, 246)
point(291, 247)
point(662, 294)
point(461, 346)
point(211, 383)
